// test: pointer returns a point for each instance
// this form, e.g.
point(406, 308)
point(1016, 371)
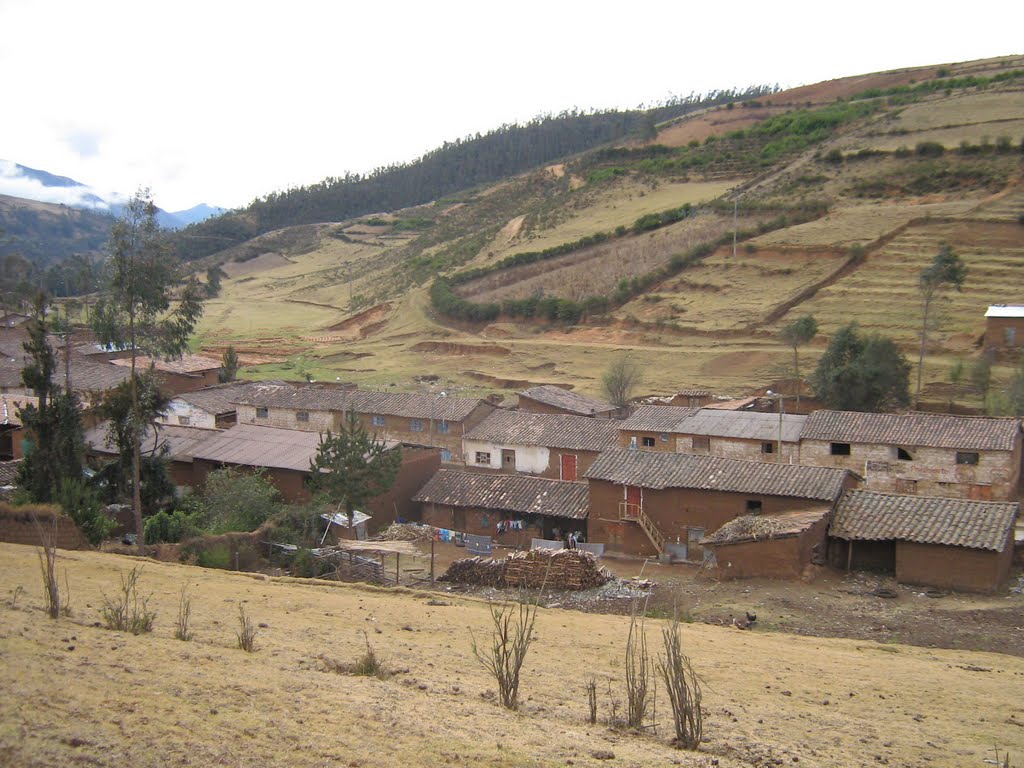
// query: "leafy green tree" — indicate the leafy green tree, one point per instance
point(947, 269)
point(82, 503)
point(981, 376)
point(229, 365)
point(54, 426)
point(862, 373)
point(213, 277)
point(795, 335)
point(352, 466)
point(238, 500)
point(620, 381)
point(136, 467)
point(146, 307)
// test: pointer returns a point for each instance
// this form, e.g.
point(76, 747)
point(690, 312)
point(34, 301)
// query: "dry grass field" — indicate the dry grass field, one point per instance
point(75, 693)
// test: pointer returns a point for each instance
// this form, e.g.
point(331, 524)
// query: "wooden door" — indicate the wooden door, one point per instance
point(634, 501)
point(568, 466)
point(508, 460)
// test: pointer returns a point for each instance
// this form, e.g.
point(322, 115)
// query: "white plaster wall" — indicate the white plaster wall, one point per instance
point(529, 459)
point(197, 417)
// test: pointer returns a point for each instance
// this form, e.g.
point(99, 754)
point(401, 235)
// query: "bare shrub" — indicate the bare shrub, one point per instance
point(370, 664)
point(48, 566)
point(683, 687)
point(182, 630)
point(639, 674)
point(128, 612)
point(592, 699)
point(246, 631)
point(509, 643)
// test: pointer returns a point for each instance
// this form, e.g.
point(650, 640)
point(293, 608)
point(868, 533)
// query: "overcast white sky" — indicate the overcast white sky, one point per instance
point(221, 102)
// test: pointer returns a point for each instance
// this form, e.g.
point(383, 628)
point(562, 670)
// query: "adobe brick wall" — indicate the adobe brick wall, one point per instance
point(771, 558)
point(482, 522)
point(418, 466)
point(957, 568)
point(673, 511)
point(17, 528)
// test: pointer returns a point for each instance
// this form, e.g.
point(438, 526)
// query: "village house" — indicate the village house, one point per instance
point(212, 407)
point(692, 398)
point(285, 455)
point(434, 421)
point(548, 398)
point(188, 374)
point(946, 543)
point(176, 444)
point(1004, 328)
point(511, 508)
point(928, 454)
point(654, 503)
point(650, 427)
point(750, 435)
point(13, 438)
point(556, 446)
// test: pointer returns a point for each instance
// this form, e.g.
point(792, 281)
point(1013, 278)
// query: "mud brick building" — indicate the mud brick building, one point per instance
point(1004, 328)
point(652, 427)
point(548, 398)
point(213, 407)
point(928, 454)
point(770, 546)
point(654, 503)
point(550, 445)
point(188, 374)
point(482, 503)
point(939, 542)
point(409, 418)
point(749, 435)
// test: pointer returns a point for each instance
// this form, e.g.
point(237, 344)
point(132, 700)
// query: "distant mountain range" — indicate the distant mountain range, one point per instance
point(34, 184)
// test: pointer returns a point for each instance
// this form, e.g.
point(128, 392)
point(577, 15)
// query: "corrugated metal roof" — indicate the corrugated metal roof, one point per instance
point(658, 469)
point(252, 445)
point(934, 430)
point(403, 404)
point(872, 516)
point(551, 430)
point(1005, 310)
point(506, 492)
point(751, 425)
point(656, 418)
point(566, 400)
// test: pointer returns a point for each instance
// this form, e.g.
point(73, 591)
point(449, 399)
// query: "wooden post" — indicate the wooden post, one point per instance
point(398, 571)
point(849, 553)
point(431, 559)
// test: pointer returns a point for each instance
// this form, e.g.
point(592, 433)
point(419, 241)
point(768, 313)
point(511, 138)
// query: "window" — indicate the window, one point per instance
point(302, 416)
point(903, 455)
point(648, 442)
point(840, 449)
point(261, 413)
point(664, 437)
point(184, 420)
point(415, 425)
point(632, 441)
point(969, 458)
point(1010, 337)
point(701, 444)
point(754, 506)
point(767, 447)
point(446, 455)
point(377, 420)
point(442, 427)
point(483, 457)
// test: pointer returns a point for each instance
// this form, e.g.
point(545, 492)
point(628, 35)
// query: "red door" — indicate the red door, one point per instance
point(633, 501)
point(569, 466)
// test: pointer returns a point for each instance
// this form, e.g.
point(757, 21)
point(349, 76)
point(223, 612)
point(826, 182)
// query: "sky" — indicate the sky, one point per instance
point(222, 102)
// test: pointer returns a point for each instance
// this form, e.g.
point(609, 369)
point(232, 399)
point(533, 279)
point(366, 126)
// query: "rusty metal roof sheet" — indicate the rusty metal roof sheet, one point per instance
point(573, 402)
point(550, 430)
point(659, 469)
point(506, 492)
point(933, 430)
point(751, 425)
point(656, 418)
point(873, 516)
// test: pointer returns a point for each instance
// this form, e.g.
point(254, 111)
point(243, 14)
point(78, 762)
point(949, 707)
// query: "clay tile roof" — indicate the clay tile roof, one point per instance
point(403, 404)
point(551, 430)
point(186, 365)
point(566, 400)
point(752, 425)
point(656, 418)
point(180, 442)
point(872, 516)
point(9, 472)
point(933, 430)
point(11, 407)
point(659, 469)
point(221, 398)
point(89, 375)
point(506, 492)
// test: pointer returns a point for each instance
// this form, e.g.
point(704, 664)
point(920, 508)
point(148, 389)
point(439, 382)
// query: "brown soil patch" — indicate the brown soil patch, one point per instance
point(739, 363)
point(265, 261)
point(511, 230)
point(453, 348)
point(357, 321)
point(558, 171)
point(501, 383)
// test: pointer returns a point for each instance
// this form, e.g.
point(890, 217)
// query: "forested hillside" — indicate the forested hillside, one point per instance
point(455, 166)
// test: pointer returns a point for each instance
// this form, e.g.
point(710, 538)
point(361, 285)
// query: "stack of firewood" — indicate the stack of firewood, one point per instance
point(559, 569)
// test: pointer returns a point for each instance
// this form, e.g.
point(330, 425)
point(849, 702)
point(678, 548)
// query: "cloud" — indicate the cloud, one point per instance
point(84, 143)
point(15, 183)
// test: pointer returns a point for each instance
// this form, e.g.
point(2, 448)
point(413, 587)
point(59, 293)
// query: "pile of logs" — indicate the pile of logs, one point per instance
point(558, 569)
point(406, 532)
